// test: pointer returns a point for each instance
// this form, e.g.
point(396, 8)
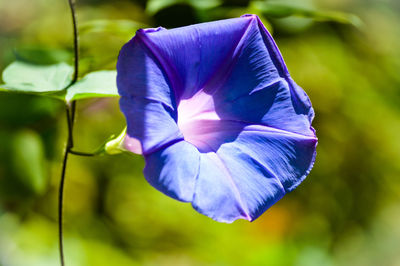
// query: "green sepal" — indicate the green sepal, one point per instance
point(115, 144)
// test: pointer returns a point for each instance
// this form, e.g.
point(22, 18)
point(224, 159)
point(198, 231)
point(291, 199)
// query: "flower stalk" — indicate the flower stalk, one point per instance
point(70, 112)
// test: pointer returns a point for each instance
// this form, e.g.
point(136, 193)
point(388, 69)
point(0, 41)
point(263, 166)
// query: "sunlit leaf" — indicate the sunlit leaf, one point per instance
point(29, 78)
point(29, 161)
point(282, 10)
point(53, 80)
point(95, 84)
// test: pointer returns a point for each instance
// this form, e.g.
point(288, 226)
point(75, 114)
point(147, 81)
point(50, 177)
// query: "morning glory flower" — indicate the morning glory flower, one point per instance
point(216, 115)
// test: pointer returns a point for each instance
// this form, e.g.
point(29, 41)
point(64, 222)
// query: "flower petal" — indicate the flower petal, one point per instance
point(140, 74)
point(262, 164)
point(258, 88)
point(192, 55)
point(216, 194)
point(246, 170)
point(259, 188)
point(271, 106)
point(152, 123)
point(173, 170)
point(301, 102)
point(254, 86)
point(288, 156)
point(251, 68)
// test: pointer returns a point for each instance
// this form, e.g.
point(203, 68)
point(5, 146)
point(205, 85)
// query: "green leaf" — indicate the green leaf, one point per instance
point(154, 6)
point(52, 80)
point(95, 84)
point(28, 161)
point(29, 78)
point(282, 10)
point(117, 27)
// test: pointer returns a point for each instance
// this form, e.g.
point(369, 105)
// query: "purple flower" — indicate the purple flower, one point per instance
point(216, 115)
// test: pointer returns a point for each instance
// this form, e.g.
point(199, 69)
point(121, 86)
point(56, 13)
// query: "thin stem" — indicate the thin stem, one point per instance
point(80, 153)
point(70, 122)
point(76, 45)
point(70, 112)
point(60, 205)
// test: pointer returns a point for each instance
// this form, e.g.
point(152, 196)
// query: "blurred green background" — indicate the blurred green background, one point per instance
point(347, 212)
